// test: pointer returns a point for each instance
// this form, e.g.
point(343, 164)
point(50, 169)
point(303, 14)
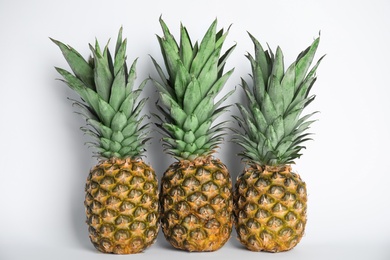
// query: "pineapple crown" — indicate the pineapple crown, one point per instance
point(195, 77)
point(273, 129)
point(108, 99)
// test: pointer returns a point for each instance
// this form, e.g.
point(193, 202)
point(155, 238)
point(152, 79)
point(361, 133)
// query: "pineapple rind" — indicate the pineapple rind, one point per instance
point(270, 208)
point(122, 206)
point(197, 204)
point(109, 100)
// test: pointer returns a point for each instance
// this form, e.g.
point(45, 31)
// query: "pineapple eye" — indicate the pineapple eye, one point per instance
point(212, 223)
point(262, 213)
point(137, 225)
point(277, 190)
point(178, 231)
point(207, 211)
point(209, 187)
point(191, 182)
point(152, 217)
point(137, 181)
point(191, 220)
point(177, 192)
point(275, 222)
point(202, 172)
point(107, 180)
point(253, 224)
point(122, 220)
point(251, 192)
point(113, 200)
point(198, 234)
point(290, 217)
point(261, 182)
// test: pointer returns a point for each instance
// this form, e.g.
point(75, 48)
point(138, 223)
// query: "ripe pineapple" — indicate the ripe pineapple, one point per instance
point(196, 191)
point(121, 191)
point(270, 199)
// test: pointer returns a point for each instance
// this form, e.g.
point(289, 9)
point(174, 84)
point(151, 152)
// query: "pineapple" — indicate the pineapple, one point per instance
point(121, 191)
point(196, 191)
point(270, 200)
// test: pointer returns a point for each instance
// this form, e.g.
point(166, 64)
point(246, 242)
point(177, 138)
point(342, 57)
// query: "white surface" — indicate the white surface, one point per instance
point(44, 163)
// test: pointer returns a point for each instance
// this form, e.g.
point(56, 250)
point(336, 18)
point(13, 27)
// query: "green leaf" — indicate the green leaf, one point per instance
point(102, 75)
point(223, 59)
point(203, 128)
point(168, 36)
point(118, 41)
point(259, 118)
point(127, 105)
point(175, 131)
point(118, 93)
point(206, 47)
point(105, 143)
point(218, 112)
point(106, 112)
point(209, 72)
point(192, 96)
point(118, 122)
point(178, 115)
point(218, 85)
point(93, 99)
point(138, 108)
point(272, 137)
point(80, 67)
point(223, 99)
point(73, 82)
point(129, 140)
point(131, 77)
point(261, 58)
point(288, 86)
point(171, 57)
point(162, 76)
point(182, 81)
point(117, 136)
point(246, 116)
point(204, 109)
point(130, 129)
point(186, 53)
point(268, 109)
point(304, 61)
point(120, 57)
point(283, 146)
point(274, 86)
point(278, 126)
point(167, 100)
point(304, 89)
point(290, 121)
point(199, 142)
point(191, 123)
point(85, 111)
point(115, 146)
point(259, 85)
point(249, 95)
point(304, 119)
point(189, 137)
point(161, 88)
point(103, 130)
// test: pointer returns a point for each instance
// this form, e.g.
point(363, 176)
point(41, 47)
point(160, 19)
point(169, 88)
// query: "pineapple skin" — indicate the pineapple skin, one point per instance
point(270, 206)
point(122, 206)
point(197, 204)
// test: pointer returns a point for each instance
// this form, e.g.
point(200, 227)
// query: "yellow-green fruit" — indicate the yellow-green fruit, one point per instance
point(122, 206)
point(270, 208)
point(197, 204)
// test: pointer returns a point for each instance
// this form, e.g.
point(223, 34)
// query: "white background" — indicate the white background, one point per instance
point(44, 162)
